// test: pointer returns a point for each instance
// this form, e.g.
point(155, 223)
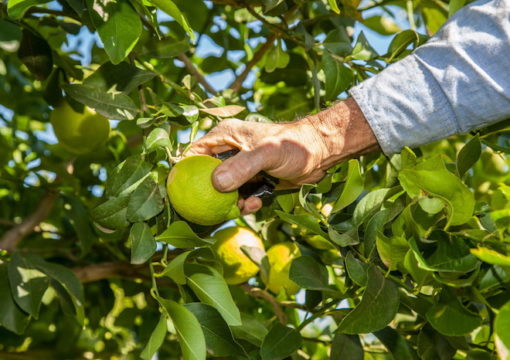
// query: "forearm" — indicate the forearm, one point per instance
point(344, 131)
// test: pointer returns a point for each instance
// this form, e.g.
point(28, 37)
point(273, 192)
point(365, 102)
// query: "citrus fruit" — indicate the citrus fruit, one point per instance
point(280, 258)
point(237, 267)
point(79, 133)
point(193, 195)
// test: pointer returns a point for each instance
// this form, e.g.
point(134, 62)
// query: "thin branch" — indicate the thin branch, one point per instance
point(238, 83)
point(196, 74)
point(96, 272)
point(12, 237)
point(262, 294)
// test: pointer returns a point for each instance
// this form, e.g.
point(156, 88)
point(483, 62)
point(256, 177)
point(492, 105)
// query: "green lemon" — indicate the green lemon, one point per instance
point(79, 133)
point(237, 267)
point(280, 258)
point(193, 195)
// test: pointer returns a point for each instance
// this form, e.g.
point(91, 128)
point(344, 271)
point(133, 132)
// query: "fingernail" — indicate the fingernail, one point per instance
point(223, 181)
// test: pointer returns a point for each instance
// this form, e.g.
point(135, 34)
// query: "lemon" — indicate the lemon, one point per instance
point(280, 258)
point(193, 195)
point(237, 267)
point(79, 133)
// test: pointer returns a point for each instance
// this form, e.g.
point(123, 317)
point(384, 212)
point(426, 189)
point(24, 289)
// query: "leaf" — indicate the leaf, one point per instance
point(224, 111)
point(382, 24)
point(11, 316)
point(402, 40)
point(449, 317)
point(338, 77)
point(143, 245)
point(454, 6)
point(276, 58)
point(362, 49)
point(281, 341)
point(122, 77)
point(118, 26)
point(252, 330)
point(190, 334)
point(28, 284)
point(180, 235)
point(334, 6)
point(502, 332)
point(395, 343)
point(175, 268)
point(356, 269)
point(211, 288)
point(156, 340)
point(338, 42)
point(368, 205)
point(36, 54)
point(126, 176)
point(166, 48)
point(81, 221)
point(353, 186)
point(17, 8)
point(309, 274)
point(112, 214)
point(468, 155)
point(432, 177)
point(145, 202)
point(218, 337)
point(434, 15)
point(116, 106)
point(171, 9)
point(346, 347)
point(392, 250)
point(306, 221)
point(157, 138)
point(490, 256)
point(377, 308)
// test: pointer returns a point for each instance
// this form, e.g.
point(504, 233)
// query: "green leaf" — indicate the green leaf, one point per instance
point(180, 235)
point(402, 40)
point(28, 284)
point(156, 340)
point(382, 24)
point(190, 334)
point(338, 76)
point(502, 332)
point(433, 178)
point(334, 6)
point(395, 343)
point(81, 221)
point(357, 270)
point(377, 308)
point(17, 8)
point(11, 316)
point(353, 186)
point(338, 42)
point(362, 49)
point(112, 214)
point(454, 6)
point(143, 245)
point(392, 250)
point(306, 221)
point(126, 176)
point(369, 205)
point(449, 317)
point(157, 138)
point(36, 54)
point(166, 48)
point(281, 341)
point(276, 58)
point(121, 77)
point(346, 347)
point(468, 155)
point(116, 106)
point(118, 26)
point(251, 330)
point(218, 337)
point(210, 287)
point(490, 256)
point(434, 15)
point(171, 9)
point(175, 268)
point(308, 273)
point(145, 202)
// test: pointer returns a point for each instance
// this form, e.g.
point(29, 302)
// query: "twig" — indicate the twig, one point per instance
point(12, 237)
point(262, 294)
point(238, 83)
point(96, 272)
point(196, 74)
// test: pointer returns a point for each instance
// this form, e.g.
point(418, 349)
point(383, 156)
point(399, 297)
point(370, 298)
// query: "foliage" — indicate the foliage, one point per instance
point(97, 265)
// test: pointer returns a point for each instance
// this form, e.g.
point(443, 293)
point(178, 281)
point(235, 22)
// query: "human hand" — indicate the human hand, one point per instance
point(297, 153)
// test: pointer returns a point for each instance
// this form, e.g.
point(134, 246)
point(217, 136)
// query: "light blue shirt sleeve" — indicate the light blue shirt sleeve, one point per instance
point(458, 81)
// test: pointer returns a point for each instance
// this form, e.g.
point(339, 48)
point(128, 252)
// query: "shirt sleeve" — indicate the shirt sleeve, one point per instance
point(458, 81)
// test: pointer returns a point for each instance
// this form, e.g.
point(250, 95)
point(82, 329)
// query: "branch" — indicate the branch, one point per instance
point(12, 237)
point(196, 74)
point(238, 83)
point(262, 294)
point(101, 271)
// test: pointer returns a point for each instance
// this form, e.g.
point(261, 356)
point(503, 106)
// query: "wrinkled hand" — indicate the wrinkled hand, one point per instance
point(292, 152)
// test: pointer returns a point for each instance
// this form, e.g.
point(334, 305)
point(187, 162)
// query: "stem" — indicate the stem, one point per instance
point(196, 74)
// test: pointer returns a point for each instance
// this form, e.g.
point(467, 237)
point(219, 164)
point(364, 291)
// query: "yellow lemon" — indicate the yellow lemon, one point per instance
point(280, 258)
point(237, 267)
point(193, 195)
point(79, 133)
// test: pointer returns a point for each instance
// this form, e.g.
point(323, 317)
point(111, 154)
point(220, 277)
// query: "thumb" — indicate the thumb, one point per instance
point(237, 170)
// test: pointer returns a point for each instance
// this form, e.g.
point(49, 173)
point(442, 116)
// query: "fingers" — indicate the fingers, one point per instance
point(251, 205)
point(225, 136)
point(237, 170)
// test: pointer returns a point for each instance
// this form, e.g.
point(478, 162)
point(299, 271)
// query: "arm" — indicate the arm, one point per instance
point(458, 81)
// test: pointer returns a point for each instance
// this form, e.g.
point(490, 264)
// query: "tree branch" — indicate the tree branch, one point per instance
point(196, 74)
point(12, 237)
point(96, 272)
point(262, 294)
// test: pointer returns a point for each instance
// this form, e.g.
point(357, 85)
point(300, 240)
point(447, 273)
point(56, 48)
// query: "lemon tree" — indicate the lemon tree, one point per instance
point(112, 248)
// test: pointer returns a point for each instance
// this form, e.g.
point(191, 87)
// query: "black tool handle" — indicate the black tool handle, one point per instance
point(262, 185)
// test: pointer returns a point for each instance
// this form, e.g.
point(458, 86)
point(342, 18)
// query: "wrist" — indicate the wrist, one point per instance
point(344, 132)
